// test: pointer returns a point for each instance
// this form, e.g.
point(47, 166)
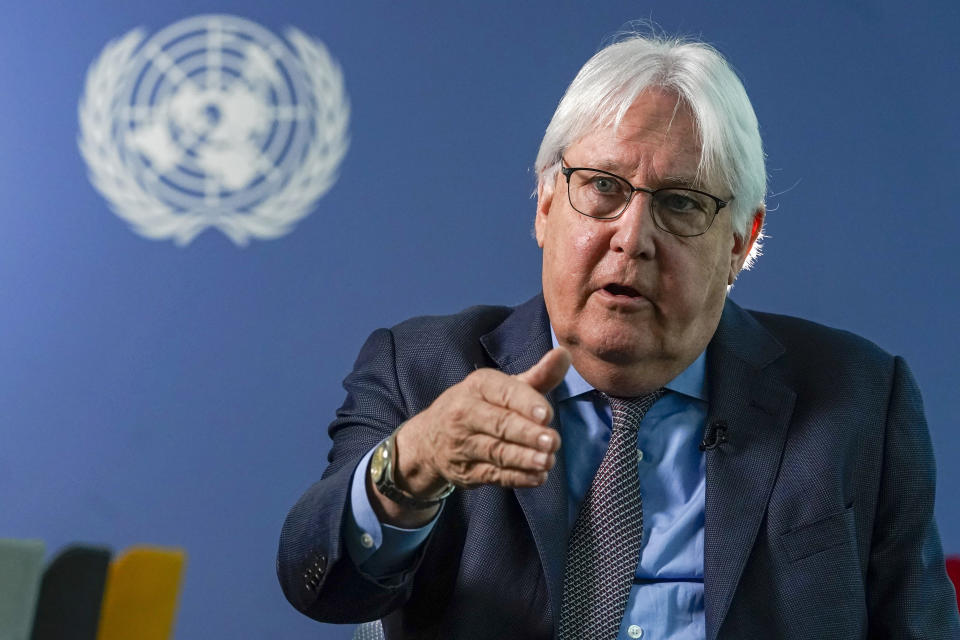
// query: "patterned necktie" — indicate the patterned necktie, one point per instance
point(604, 548)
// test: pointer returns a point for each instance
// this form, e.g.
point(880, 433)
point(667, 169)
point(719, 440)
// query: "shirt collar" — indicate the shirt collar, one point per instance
point(692, 381)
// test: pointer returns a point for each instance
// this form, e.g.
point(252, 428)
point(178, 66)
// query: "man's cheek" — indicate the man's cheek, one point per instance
point(584, 241)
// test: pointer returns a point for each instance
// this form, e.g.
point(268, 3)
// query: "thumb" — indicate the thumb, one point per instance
point(549, 372)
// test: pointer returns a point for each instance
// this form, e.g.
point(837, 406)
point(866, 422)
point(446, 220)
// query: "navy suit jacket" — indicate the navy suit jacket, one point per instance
point(819, 505)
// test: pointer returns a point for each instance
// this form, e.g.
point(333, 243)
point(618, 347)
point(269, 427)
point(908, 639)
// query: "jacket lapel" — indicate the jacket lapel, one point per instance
point(516, 345)
point(755, 407)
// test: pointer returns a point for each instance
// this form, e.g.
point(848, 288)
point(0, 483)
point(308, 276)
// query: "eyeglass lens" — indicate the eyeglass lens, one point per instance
point(679, 211)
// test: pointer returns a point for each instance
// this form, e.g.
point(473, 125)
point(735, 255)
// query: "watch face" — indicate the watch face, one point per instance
point(378, 463)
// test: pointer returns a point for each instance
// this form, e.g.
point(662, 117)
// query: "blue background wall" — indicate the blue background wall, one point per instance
point(150, 393)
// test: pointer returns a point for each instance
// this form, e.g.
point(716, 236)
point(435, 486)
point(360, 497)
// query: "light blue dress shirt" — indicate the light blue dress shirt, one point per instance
point(666, 600)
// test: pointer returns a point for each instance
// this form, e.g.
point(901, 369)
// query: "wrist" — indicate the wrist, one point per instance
point(411, 474)
point(396, 486)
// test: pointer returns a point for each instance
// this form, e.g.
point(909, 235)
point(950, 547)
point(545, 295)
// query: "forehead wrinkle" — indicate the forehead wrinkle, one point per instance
point(695, 181)
point(636, 148)
point(678, 105)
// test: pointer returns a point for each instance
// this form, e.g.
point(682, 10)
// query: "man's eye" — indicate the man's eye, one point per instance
point(605, 185)
point(679, 203)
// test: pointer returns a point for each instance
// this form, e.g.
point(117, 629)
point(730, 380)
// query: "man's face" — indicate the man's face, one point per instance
point(635, 305)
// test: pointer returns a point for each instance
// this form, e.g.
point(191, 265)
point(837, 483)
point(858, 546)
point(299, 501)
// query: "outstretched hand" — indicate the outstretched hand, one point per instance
point(491, 428)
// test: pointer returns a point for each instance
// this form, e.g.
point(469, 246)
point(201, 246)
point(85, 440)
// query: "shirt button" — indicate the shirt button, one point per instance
point(639, 459)
point(366, 540)
point(635, 631)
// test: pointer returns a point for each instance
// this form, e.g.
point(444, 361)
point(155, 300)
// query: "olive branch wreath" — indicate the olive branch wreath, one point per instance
point(272, 217)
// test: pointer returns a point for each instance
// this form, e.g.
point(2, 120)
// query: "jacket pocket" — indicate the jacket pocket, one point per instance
point(808, 539)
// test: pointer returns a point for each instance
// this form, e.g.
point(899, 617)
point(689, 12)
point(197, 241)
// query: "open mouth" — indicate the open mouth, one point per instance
point(621, 290)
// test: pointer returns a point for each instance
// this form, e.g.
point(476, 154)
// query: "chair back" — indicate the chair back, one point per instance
point(21, 564)
point(71, 594)
point(140, 598)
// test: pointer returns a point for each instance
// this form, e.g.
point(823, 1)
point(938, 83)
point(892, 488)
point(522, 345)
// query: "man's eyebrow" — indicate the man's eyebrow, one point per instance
point(603, 165)
point(608, 165)
point(616, 168)
point(679, 181)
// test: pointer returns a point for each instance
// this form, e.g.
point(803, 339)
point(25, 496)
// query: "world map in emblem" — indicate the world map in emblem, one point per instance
point(213, 122)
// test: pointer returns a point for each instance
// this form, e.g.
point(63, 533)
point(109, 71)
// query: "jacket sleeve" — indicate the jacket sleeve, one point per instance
point(313, 565)
point(908, 592)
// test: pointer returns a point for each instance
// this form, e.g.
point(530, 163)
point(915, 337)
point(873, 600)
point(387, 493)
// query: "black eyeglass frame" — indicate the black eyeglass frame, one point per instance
point(568, 171)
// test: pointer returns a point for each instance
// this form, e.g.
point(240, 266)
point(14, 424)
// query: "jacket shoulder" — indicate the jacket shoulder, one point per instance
point(794, 332)
point(835, 354)
point(446, 342)
point(462, 327)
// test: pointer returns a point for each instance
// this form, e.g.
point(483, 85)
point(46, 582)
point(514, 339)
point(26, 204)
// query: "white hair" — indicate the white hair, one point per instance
point(610, 82)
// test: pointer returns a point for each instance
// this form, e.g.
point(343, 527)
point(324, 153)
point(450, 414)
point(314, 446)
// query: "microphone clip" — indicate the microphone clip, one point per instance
point(714, 435)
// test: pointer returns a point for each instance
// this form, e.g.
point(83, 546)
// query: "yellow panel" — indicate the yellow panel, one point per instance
point(140, 599)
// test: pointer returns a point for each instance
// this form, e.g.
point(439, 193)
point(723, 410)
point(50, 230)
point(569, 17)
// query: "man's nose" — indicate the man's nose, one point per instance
point(635, 230)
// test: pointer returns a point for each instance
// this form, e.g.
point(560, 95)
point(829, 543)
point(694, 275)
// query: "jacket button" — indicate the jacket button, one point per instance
point(311, 576)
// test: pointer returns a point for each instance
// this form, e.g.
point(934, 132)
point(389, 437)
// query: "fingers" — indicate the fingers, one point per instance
point(515, 478)
point(499, 446)
point(527, 399)
point(513, 427)
point(487, 460)
point(490, 429)
point(484, 449)
point(549, 372)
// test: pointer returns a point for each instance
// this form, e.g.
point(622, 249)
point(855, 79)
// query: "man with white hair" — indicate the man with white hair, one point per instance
point(700, 471)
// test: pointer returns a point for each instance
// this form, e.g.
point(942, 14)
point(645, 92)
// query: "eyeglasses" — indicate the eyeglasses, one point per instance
point(604, 195)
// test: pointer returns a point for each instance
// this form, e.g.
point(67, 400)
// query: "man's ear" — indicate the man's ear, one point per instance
point(544, 200)
point(742, 246)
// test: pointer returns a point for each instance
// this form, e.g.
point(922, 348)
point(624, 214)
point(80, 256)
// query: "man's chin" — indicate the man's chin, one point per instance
point(625, 364)
point(625, 346)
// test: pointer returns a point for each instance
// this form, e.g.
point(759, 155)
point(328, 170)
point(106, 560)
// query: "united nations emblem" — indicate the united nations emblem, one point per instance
point(213, 122)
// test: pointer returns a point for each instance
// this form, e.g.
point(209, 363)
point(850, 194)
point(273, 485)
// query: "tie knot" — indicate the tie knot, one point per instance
point(628, 412)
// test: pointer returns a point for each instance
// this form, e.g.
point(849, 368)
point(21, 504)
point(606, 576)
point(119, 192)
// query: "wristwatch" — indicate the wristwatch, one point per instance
point(382, 465)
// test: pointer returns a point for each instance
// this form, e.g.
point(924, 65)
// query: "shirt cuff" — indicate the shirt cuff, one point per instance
point(378, 549)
